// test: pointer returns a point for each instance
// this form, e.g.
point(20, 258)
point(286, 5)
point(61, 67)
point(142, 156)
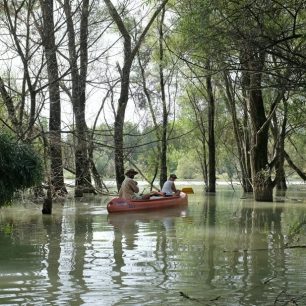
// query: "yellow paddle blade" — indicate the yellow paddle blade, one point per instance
point(187, 190)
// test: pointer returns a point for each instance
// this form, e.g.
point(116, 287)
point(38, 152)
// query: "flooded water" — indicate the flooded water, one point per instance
point(222, 249)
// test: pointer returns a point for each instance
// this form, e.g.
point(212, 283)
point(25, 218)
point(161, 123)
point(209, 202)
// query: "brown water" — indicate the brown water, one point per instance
point(220, 250)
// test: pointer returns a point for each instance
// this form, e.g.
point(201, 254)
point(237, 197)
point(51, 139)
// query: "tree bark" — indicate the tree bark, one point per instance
point(261, 176)
point(211, 137)
point(78, 79)
point(163, 157)
point(48, 41)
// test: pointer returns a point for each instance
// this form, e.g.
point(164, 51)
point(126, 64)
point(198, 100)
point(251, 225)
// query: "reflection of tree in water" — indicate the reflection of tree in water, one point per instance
point(209, 214)
point(83, 236)
point(206, 255)
point(161, 224)
point(262, 252)
point(265, 258)
point(125, 234)
point(68, 236)
point(52, 225)
point(163, 260)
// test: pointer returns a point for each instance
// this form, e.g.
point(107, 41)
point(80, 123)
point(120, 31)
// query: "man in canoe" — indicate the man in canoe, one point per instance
point(169, 188)
point(129, 188)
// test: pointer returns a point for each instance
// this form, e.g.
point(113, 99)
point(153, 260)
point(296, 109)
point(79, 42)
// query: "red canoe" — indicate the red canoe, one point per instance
point(125, 205)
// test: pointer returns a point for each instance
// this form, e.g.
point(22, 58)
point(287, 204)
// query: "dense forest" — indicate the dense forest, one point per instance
point(206, 89)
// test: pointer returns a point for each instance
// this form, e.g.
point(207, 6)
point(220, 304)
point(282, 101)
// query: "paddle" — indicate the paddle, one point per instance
point(187, 190)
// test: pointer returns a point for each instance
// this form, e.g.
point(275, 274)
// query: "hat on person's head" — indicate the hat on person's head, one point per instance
point(131, 172)
point(173, 176)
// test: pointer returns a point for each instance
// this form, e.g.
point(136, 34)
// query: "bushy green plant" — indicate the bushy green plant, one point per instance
point(20, 167)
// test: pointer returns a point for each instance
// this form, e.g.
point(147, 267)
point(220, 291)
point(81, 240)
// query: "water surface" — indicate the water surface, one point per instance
point(223, 249)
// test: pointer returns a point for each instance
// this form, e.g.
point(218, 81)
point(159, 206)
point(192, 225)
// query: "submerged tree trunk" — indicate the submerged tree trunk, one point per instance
point(48, 41)
point(261, 176)
point(211, 137)
point(78, 79)
point(163, 157)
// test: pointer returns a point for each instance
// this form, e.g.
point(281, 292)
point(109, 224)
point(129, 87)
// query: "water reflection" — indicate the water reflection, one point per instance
point(260, 248)
point(222, 249)
point(209, 221)
point(141, 243)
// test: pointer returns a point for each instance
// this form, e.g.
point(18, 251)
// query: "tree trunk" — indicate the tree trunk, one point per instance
point(48, 41)
point(119, 124)
point(261, 176)
point(163, 157)
point(211, 138)
point(78, 79)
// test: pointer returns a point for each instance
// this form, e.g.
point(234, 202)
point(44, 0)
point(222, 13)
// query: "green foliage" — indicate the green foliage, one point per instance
point(20, 167)
point(188, 167)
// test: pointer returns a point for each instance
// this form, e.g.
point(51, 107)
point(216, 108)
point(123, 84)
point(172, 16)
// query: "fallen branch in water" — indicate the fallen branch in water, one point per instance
point(198, 300)
point(188, 297)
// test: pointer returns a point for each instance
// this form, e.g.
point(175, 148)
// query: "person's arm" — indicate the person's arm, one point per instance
point(173, 187)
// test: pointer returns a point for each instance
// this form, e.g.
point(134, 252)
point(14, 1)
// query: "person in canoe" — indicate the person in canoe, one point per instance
point(129, 188)
point(169, 188)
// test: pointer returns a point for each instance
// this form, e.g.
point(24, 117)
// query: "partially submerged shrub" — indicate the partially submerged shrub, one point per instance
point(20, 167)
